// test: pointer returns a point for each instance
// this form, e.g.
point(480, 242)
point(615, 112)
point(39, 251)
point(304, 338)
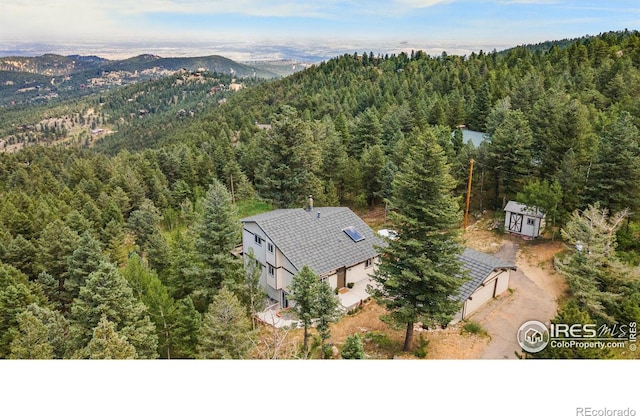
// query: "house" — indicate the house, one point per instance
point(522, 219)
point(533, 336)
point(333, 241)
point(489, 277)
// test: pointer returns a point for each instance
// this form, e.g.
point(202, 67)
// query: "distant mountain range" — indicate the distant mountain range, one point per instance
point(28, 80)
point(58, 65)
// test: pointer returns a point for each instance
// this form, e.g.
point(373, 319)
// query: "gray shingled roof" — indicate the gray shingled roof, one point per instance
point(480, 266)
point(513, 206)
point(320, 242)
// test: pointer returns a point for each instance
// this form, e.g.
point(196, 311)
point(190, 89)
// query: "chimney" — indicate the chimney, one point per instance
point(310, 202)
point(318, 214)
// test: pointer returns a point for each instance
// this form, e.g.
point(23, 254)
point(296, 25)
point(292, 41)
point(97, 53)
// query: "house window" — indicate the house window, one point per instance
point(531, 221)
point(257, 239)
point(368, 263)
point(270, 247)
point(271, 269)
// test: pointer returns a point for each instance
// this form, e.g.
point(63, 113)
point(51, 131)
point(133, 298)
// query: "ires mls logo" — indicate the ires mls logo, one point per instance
point(533, 336)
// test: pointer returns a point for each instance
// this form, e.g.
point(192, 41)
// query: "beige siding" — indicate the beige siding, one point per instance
point(498, 280)
point(531, 230)
point(250, 230)
point(359, 272)
point(284, 279)
point(503, 282)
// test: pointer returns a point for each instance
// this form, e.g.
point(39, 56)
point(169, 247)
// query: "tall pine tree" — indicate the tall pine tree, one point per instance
point(287, 173)
point(83, 261)
point(326, 310)
point(303, 293)
point(107, 294)
point(226, 329)
point(218, 233)
point(419, 274)
point(615, 176)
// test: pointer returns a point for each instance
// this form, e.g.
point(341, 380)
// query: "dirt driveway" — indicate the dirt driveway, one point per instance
point(534, 291)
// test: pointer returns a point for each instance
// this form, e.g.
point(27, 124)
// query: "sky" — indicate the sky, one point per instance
point(455, 25)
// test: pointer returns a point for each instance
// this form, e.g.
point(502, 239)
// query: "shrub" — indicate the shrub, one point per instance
point(474, 328)
point(327, 351)
point(381, 340)
point(353, 348)
point(421, 351)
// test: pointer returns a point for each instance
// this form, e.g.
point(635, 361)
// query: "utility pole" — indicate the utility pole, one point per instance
point(233, 194)
point(466, 210)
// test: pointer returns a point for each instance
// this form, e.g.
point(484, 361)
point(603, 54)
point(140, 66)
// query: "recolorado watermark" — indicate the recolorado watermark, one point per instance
point(534, 336)
point(590, 411)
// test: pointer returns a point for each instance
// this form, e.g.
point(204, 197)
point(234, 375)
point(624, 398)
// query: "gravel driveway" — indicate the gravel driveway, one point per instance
point(502, 317)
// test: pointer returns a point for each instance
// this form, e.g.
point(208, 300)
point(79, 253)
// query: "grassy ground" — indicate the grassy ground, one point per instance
point(247, 208)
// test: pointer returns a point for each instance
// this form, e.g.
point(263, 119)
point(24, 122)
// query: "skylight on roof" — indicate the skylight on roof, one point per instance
point(352, 232)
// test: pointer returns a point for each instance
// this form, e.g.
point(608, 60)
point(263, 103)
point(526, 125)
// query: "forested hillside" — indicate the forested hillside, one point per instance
point(122, 245)
point(137, 113)
point(51, 78)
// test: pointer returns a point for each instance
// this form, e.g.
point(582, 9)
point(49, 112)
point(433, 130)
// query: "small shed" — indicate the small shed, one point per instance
point(523, 219)
point(488, 278)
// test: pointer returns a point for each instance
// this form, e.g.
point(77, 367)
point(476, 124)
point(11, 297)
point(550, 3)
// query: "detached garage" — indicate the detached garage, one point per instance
point(489, 277)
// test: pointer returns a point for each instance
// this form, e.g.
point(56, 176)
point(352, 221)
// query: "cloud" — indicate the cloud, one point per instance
point(274, 8)
point(41, 19)
point(421, 4)
point(528, 1)
point(169, 20)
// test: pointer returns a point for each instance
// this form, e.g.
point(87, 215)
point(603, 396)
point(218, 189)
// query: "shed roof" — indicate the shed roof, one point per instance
point(479, 266)
point(513, 206)
point(317, 238)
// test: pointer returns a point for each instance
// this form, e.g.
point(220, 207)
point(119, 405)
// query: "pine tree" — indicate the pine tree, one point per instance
point(20, 253)
point(107, 344)
point(419, 274)
point(57, 328)
point(559, 123)
point(615, 176)
point(251, 293)
point(226, 329)
point(181, 275)
point(184, 337)
point(56, 243)
point(83, 261)
point(335, 162)
point(372, 164)
point(481, 108)
point(218, 233)
point(353, 348)
point(595, 277)
point(144, 223)
point(303, 293)
point(326, 310)
point(368, 132)
point(31, 341)
point(107, 294)
point(16, 293)
point(510, 154)
point(148, 288)
point(287, 173)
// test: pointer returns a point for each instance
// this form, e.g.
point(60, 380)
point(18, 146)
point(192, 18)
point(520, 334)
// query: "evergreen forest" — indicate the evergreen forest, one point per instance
point(119, 209)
